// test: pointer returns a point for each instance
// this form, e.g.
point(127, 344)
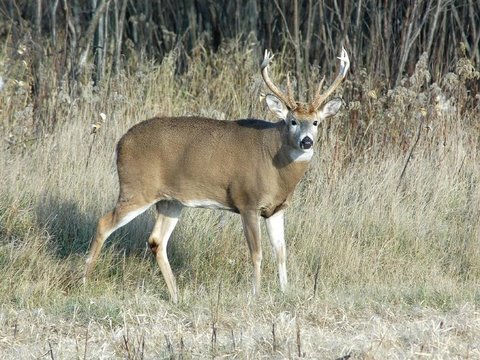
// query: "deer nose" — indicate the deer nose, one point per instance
point(306, 143)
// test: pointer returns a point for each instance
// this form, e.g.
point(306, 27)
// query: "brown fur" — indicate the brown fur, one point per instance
point(205, 159)
point(250, 167)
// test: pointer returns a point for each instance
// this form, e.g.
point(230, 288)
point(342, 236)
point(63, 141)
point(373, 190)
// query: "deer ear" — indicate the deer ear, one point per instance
point(330, 108)
point(276, 106)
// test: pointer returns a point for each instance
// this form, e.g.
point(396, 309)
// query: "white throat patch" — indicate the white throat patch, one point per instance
point(298, 155)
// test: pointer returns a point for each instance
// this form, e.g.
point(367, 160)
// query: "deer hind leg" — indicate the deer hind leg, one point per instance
point(275, 230)
point(123, 213)
point(251, 227)
point(168, 214)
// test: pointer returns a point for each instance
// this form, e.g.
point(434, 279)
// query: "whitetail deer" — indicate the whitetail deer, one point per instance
point(250, 167)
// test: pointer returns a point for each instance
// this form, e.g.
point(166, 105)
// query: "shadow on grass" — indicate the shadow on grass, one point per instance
point(72, 229)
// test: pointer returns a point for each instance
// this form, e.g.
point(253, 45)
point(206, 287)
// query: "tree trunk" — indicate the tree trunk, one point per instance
point(98, 46)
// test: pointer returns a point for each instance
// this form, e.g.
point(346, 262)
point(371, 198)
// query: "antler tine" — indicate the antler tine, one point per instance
point(290, 97)
point(319, 89)
point(288, 100)
point(344, 66)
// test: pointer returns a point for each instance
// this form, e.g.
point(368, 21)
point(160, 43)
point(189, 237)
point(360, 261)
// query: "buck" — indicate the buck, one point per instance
point(250, 167)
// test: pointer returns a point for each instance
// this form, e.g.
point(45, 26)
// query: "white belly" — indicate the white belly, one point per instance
point(207, 204)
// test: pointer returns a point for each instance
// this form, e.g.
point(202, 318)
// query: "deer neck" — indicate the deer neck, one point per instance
point(290, 163)
point(285, 155)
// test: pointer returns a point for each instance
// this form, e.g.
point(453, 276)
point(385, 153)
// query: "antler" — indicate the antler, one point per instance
point(320, 98)
point(287, 99)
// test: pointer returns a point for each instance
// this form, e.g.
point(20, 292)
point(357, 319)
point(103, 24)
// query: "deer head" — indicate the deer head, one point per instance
point(302, 119)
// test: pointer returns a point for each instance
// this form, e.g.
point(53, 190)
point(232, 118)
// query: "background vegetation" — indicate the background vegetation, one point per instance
point(71, 42)
point(383, 234)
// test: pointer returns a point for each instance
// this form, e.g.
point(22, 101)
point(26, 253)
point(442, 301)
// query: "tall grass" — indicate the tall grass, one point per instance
point(369, 251)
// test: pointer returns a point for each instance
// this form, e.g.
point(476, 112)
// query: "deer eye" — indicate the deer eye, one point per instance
point(293, 122)
point(315, 123)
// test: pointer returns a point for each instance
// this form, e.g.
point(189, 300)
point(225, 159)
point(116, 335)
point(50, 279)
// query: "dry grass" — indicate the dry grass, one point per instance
point(149, 328)
point(380, 266)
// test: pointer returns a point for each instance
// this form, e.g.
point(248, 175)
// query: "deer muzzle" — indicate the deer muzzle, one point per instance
point(306, 143)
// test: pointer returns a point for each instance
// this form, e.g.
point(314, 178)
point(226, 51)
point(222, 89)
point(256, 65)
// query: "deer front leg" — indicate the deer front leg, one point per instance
point(251, 227)
point(275, 229)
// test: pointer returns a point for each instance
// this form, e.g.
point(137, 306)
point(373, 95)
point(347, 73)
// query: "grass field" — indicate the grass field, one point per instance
point(383, 234)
